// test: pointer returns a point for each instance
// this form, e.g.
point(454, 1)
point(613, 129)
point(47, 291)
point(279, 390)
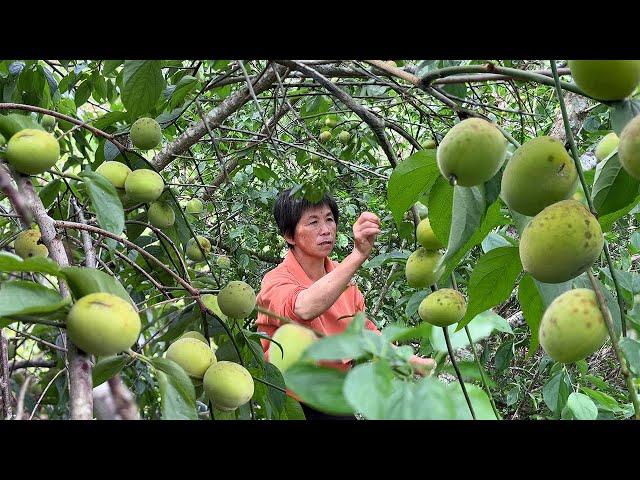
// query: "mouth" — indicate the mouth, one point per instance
point(326, 243)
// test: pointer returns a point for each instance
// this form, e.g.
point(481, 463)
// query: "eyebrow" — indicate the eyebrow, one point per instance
point(317, 216)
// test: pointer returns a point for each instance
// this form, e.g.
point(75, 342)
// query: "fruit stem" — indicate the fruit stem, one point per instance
point(484, 380)
point(458, 374)
point(276, 387)
point(616, 346)
point(587, 192)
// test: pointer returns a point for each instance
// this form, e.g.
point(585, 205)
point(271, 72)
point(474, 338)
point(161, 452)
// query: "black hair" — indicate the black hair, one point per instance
point(288, 211)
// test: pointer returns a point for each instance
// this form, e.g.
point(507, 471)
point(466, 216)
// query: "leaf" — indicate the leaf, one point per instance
point(10, 262)
point(49, 193)
point(479, 401)
point(21, 297)
point(427, 399)
point(468, 211)
point(107, 367)
point(480, 327)
point(83, 281)
point(503, 356)
point(614, 188)
point(109, 66)
point(582, 407)
point(631, 350)
point(411, 178)
point(368, 387)
point(604, 401)
point(440, 206)
point(414, 302)
point(105, 201)
point(292, 410)
point(182, 89)
point(142, 86)
point(621, 113)
point(14, 122)
point(492, 281)
point(532, 309)
point(492, 219)
point(556, 392)
point(274, 376)
point(385, 258)
point(337, 347)
point(109, 119)
point(177, 393)
point(320, 387)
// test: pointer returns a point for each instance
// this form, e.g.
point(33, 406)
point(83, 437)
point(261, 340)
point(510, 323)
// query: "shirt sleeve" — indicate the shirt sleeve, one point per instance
point(279, 294)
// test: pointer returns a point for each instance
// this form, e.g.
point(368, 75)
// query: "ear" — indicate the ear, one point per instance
point(289, 239)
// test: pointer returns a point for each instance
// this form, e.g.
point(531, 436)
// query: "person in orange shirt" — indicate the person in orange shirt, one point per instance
point(308, 287)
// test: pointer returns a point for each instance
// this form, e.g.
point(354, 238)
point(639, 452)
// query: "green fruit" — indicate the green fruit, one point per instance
point(325, 136)
point(330, 122)
point(315, 157)
point(124, 198)
point(344, 137)
point(606, 79)
point(228, 385)
point(48, 122)
point(572, 327)
point(32, 151)
point(194, 206)
point(161, 215)
point(103, 324)
point(115, 172)
point(3, 141)
point(237, 300)
point(193, 355)
point(143, 186)
point(421, 268)
point(422, 210)
point(607, 145)
point(211, 302)
point(294, 339)
point(561, 242)
point(540, 173)
point(26, 244)
point(12, 350)
point(193, 252)
point(146, 133)
point(443, 307)
point(223, 262)
point(429, 144)
point(196, 335)
point(473, 151)
point(629, 148)
point(426, 237)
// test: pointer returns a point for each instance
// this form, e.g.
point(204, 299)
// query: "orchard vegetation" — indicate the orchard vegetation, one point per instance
point(136, 226)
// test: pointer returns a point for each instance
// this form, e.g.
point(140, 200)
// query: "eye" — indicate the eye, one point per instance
point(313, 222)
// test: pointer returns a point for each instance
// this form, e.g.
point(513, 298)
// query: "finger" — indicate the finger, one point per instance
point(370, 232)
point(368, 216)
point(367, 225)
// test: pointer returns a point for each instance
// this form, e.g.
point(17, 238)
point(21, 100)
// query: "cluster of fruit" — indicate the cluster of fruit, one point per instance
point(330, 123)
point(563, 239)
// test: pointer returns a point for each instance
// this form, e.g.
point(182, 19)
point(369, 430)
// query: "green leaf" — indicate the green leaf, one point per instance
point(368, 387)
point(183, 88)
point(292, 410)
point(614, 188)
point(320, 387)
point(105, 201)
point(412, 178)
point(532, 309)
point(14, 122)
point(556, 392)
point(440, 206)
point(385, 258)
point(83, 281)
point(21, 297)
point(479, 400)
point(491, 220)
point(468, 211)
point(177, 393)
point(143, 85)
point(503, 356)
point(107, 367)
point(414, 302)
point(109, 66)
point(337, 347)
point(480, 327)
point(582, 407)
point(492, 281)
point(604, 401)
point(427, 399)
point(109, 119)
point(621, 113)
point(10, 262)
point(274, 376)
point(631, 350)
point(49, 193)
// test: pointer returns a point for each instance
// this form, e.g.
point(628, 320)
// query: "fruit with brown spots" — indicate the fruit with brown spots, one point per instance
point(443, 307)
point(572, 328)
point(472, 151)
point(103, 324)
point(540, 173)
point(146, 133)
point(193, 252)
point(26, 244)
point(561, 242)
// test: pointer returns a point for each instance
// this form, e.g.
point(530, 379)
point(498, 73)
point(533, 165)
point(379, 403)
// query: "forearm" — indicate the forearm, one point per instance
point(317, 299)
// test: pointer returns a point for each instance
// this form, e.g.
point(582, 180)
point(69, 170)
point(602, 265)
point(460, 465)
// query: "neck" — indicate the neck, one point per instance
point(312, 266)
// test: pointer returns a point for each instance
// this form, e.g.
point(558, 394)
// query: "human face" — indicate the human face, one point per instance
point(315, 233)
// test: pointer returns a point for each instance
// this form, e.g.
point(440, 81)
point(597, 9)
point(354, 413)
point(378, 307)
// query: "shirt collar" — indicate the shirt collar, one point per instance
point(291, 262)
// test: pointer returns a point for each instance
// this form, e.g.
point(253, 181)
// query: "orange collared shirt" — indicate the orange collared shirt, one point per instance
point(279, 291)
